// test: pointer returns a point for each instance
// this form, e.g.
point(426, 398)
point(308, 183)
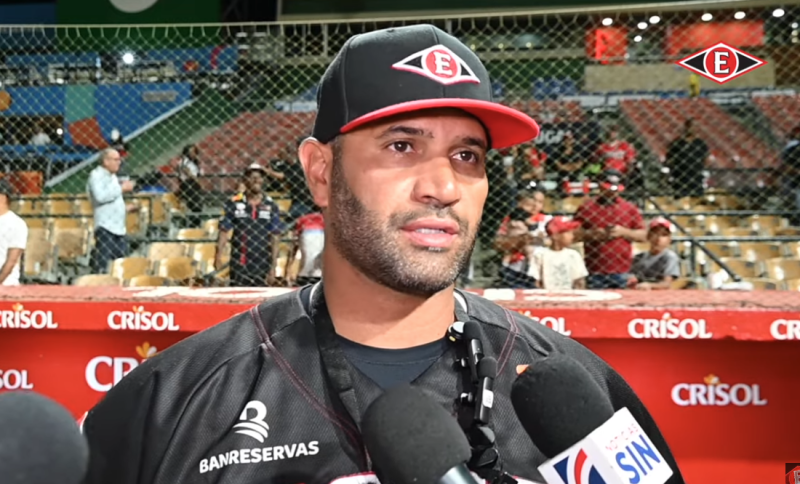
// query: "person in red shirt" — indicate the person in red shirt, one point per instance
point(616, 154)
point(609, 225)
point(525, 226)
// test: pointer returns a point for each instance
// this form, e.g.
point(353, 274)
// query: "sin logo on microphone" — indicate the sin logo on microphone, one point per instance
point(617, 452)
point(575, 469)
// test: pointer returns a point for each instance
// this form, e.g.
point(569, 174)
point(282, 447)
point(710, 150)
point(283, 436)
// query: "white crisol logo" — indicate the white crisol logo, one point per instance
point(712, 392)
point(132, 6)
point(254, 427)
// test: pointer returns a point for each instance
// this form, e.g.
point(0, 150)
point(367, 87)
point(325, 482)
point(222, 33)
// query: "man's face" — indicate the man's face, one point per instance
point(406, 199)
point(254, 181)
point(613, 135)
point(112, 161)
point(533, 204)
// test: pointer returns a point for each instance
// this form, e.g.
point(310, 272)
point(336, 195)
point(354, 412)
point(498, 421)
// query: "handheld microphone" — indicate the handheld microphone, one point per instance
point(414, 440)
point(570, 419)
point(39, 442)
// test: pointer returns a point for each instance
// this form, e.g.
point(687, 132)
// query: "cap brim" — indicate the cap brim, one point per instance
point(507, 126)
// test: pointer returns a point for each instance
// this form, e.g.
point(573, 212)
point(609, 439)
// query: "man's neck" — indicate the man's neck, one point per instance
point(373, 315)
point(656, 250)
point(4, 210)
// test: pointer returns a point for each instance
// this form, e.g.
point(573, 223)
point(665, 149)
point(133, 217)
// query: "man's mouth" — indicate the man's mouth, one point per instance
point(437, 233)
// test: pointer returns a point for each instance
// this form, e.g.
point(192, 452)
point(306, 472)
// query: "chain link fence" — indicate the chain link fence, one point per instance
point(203, 117)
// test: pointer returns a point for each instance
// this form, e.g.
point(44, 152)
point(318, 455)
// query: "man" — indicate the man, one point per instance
point(13, 238)
point(609, 225)
point(524, 228)
point(686, 160)
point(255, 220)
point(790, 165)
point(110, 211)
point(616, 154)
point(189, 189)
point(659, 266)
point(396, 164)
point(291, 175)
point(310, 241)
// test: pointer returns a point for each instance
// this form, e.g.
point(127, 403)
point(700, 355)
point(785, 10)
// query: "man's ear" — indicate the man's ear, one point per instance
point(317, 159)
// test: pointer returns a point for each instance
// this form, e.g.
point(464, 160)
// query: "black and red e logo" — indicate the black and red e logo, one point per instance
point(721, 63)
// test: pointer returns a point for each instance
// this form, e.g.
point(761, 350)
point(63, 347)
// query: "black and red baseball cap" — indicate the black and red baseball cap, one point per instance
point(404, 69)
point(612, 180)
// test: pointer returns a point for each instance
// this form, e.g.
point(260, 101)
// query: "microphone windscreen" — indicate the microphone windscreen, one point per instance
point(411, 438)
point(472, 330)
point(487, 368)
point(559, 403)
point(40, 442)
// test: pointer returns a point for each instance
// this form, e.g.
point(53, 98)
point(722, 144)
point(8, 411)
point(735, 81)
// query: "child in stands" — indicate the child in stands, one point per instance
point(559, 267)
point(659, 266)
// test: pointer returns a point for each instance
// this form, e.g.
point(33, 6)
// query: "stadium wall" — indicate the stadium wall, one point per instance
point(715, 370)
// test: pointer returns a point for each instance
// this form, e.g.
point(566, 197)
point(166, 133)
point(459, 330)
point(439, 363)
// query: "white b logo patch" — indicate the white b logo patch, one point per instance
point(132, 6)
point(440, 64)
point(255, 427)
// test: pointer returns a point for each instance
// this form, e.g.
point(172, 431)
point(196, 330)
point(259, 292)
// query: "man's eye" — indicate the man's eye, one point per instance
point(467, 157)
point(401, 146)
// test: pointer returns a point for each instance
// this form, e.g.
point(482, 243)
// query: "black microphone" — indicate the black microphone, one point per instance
point(558, 403)
point(472, 335)
point(572, 421)
point(40, 442)
point(414, 440)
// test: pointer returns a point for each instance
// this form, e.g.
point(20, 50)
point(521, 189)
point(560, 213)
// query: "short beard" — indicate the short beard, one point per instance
point(368, 244)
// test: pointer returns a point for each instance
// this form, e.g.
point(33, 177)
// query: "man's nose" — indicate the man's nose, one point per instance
point(437, 183)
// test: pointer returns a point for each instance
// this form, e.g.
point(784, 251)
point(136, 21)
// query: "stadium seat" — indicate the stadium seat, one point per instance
point(164, 250)
point(284, 204)
point(72, 243)
point(39, 259)
point(34, 222)
point(743, 268)
point(64, 223)
point(58, 206)
point(148, 281)
point(179, 269)
point(127, 268)
point(211, 226)
point(203, 252)
point(766, 223)
point(787, 231)
point(83, 208)
point(782, 269)
point(792, 249)
point(764, 284)
point(97, 280)
point(191, 234)
point(792, 285)
point(757, 251)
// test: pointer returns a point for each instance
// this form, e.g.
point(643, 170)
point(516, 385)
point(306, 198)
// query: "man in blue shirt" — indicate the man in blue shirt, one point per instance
point(105, 192)
point(255, 220)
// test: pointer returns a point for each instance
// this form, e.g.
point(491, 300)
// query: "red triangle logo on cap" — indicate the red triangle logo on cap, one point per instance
point(439, 64)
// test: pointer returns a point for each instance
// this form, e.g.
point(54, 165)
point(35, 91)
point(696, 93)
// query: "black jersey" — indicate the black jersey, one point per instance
point(250, 401)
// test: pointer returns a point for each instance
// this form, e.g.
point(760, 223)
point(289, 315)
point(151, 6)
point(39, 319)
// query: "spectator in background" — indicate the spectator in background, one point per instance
point(790, 165)
point(686, 160)
point(659, 266)
point(559, 267)
point(13, 238)
point(189, 190)
point(255, 220)
point(310, 239)
point(534, 161)
point(524, 227)
point(110, 212)
point(616, 154)
point(568, 162)
point(609, 225)
point(40, 138)
point(294, 179)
